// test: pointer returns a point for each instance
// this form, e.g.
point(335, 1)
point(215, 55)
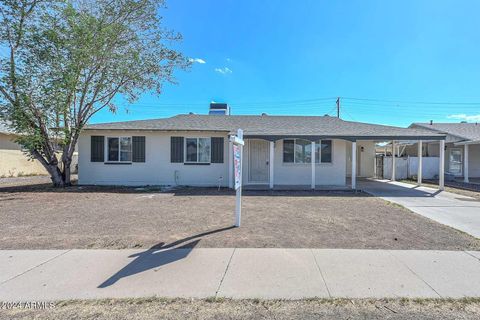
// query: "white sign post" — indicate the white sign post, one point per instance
point(237, 165)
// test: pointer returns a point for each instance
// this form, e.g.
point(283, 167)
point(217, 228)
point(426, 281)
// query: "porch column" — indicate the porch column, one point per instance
point(465, 164)
point(230, 165)
point(420, 164)
point(313, 164)
point(394, 151)
point(354, 165)
point(441, 169)
point(271, 161)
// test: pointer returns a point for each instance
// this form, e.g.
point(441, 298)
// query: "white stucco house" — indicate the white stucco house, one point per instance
point(194, 150)
point(462, 147)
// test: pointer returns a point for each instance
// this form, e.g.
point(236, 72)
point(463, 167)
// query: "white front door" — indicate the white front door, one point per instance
point(455, 162)
point(258, 157)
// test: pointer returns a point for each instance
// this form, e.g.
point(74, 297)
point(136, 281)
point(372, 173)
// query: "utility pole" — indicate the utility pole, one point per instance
point(338, 107)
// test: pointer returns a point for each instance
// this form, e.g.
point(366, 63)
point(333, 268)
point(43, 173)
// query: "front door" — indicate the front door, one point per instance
point(258, 156)
point(455, 159)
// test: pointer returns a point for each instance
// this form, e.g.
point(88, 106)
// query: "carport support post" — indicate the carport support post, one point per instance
point(465, 164)
point(394, 147)
point(354, 165)
point(420, 160)
point(270, 162)
point(313, 165)
point(441, 169)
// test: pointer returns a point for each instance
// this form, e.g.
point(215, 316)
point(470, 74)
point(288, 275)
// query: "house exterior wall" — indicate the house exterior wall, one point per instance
point(157, 168)
point(7, 142)
point(365, 158)
point(13, 162)
point(301, 174)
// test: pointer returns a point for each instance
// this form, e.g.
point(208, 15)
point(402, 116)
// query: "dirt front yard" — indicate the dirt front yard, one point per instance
point(39, 217)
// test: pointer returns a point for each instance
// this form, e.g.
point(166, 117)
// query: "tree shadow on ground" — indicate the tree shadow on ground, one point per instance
point(159, 255)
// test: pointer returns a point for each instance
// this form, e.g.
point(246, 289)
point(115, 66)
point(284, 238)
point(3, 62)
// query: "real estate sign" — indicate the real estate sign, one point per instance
point(237, 165)
point(238, 143)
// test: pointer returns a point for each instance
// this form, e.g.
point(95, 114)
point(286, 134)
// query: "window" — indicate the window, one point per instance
point(119, 149)
point(198, 150)
point(323, 151)
point(300, 151)
point(303, 151)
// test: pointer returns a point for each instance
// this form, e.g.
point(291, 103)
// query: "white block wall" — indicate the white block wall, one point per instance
point(157, 168)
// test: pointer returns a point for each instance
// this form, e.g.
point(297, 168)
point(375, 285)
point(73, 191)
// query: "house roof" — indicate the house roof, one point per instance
point(464, 131)
point(273, 127)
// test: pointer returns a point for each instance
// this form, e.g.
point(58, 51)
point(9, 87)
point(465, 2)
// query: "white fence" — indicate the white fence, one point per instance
point(407, 167)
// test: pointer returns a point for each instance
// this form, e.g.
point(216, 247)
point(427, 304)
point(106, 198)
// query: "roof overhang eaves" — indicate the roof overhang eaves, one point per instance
point(151, 130)
point(342, 137)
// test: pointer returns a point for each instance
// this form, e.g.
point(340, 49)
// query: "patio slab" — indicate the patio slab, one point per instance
point(369, 274)
point(273, 274)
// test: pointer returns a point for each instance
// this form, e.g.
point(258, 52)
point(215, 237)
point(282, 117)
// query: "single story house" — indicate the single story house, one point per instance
point(194, 150)
point(13, 162)
point(462, 147)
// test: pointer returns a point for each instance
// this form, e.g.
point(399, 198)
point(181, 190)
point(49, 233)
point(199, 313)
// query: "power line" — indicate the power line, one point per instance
point(414, 102)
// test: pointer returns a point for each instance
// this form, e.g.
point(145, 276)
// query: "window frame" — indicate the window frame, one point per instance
point(318, 159)
point(107, 152)
point(185, 159)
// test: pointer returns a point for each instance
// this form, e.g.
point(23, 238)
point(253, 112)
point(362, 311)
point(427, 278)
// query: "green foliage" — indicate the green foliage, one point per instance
point(63, 61)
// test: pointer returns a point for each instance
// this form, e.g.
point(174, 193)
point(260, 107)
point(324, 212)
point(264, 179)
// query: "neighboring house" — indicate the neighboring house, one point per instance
point(195, 150)
point(14, 162)
point(462, 147)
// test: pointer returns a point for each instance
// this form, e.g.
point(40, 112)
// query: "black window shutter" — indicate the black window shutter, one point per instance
point(138, 149)
point(176, 149)
point(217, 150)
point(97, 148)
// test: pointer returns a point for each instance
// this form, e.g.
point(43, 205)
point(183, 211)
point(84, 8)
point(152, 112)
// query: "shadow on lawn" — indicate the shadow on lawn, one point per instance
point(159, 255)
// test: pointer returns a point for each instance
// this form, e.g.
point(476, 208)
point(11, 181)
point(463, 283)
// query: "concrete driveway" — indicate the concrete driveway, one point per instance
point(457, 211)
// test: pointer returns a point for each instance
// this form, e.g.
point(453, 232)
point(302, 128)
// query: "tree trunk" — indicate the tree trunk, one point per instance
point(52, 168)
point(56, 176)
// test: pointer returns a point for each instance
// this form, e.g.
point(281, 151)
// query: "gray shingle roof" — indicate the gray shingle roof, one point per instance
point(270, 126)
point(464, 131)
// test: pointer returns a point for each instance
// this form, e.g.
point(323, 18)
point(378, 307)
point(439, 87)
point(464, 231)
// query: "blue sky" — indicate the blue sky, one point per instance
point(416, 60)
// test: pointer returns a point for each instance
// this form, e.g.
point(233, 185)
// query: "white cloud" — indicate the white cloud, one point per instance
point(465, 117)
point(224, 70)
point(197, 60)
point(228, 59)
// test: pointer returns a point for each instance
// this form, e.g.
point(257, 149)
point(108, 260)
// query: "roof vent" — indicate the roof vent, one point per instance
point(219, 109)
point(264, 114)
point(463, 121)
point(431, 122)
point(191, 112)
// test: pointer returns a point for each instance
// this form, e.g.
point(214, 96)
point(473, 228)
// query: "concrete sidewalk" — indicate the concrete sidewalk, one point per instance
point(237, 273)
point(454, 210)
